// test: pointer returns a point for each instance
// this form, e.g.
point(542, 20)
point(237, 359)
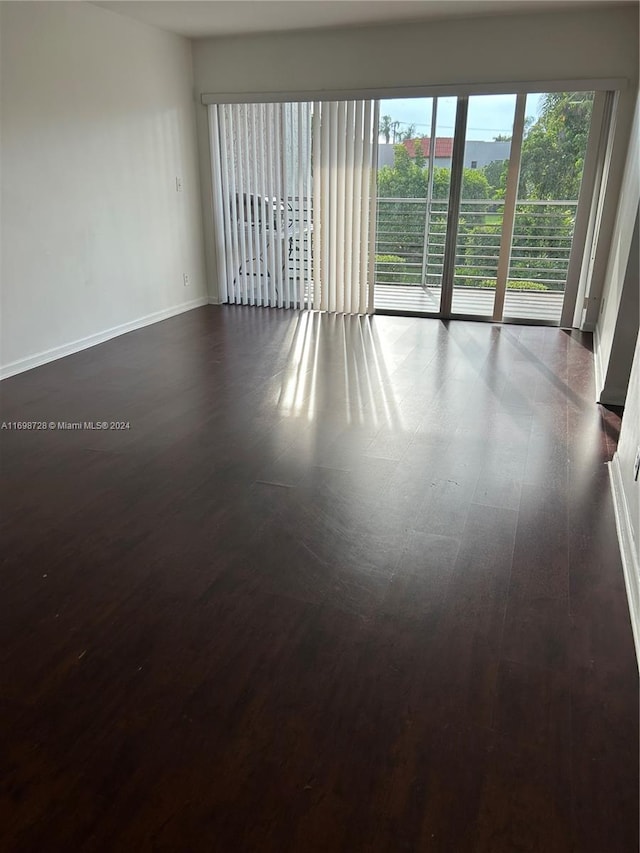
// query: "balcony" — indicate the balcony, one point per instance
point(410, 255)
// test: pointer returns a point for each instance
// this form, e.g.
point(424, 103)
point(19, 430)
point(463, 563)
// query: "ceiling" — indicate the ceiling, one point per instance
point(207, 18)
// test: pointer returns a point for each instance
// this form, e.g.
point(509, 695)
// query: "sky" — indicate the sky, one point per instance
point(488, 115)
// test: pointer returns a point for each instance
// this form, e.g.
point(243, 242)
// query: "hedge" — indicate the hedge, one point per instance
point(512, 284)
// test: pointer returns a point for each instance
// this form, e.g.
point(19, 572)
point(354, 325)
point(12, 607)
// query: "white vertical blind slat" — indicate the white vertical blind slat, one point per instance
point(365, 207)
point(255, 204)
point(333, 204)
point(348, 205)
point(287, 202)
point(357, 206)
point(281, 215)
point(289, 134)
point(264, 210)
point(277, 203)
point(373, 201)
point(301, 218)
point(323, 215)
point(245, 142)
point(228, 183)
point(219, 193)
point(315, 156)
point(269, 109)
point(309, 208)
point(340, 214)
point(236, 203)
point(300, 206)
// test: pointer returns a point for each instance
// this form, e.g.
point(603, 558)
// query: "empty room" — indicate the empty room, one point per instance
point(319, 426)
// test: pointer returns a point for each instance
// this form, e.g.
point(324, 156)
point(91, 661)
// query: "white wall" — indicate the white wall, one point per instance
point(628, 445)
point(97, 120)
point(616, 329)
point(626, 492)
point(581, 43)
point(577, 44)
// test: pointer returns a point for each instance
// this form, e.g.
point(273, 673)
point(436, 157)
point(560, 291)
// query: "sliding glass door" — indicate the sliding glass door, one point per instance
point(461, 206)
point(477, 218)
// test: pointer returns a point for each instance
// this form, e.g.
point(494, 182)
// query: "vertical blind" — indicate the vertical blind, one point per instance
point(294, 203)
point(344, 154)
point(261, 157)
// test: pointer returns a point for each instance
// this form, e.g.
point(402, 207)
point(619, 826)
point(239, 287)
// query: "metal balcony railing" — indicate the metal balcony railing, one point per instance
point(410, 244)
point(410, 254)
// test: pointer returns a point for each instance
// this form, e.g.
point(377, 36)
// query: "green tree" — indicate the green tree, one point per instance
point(407, 133)
point(496, 175)
point(404, 179)
point(407, 179)
point(551, 168)
point(418, 154)
point(554, 147)
point(401, 225)
point(474, 184)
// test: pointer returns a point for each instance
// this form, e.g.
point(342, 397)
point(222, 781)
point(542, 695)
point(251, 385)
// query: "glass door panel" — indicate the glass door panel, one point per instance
point(552, 160)
point(486, 159)
point(415, 146)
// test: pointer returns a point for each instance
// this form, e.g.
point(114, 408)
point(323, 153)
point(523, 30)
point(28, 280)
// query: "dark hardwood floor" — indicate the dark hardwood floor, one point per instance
point(343, 585)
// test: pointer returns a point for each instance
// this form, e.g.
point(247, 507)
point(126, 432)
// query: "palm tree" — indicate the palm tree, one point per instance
point(385, 127)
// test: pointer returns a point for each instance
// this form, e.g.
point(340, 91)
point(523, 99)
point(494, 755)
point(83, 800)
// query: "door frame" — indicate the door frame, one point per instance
point(597, 159)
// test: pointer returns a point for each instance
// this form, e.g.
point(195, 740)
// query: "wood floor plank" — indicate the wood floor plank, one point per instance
point(343, 584)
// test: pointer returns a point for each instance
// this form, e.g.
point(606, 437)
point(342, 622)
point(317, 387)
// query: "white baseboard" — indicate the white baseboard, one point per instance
point(215, 301)
point(46, 356)
point(627, 549)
